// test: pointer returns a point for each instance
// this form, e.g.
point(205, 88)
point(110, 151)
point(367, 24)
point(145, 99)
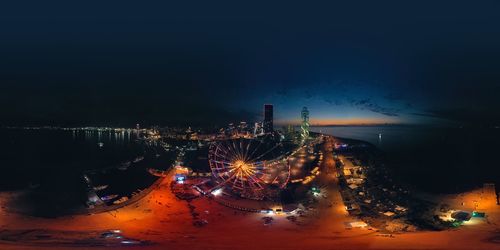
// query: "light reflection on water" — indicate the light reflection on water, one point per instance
point(26, 154)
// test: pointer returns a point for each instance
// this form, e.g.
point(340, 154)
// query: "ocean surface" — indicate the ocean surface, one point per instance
point(31, 157)
point(438, 160)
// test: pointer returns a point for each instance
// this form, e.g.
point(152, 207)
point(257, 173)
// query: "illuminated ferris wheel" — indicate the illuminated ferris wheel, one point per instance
point(248, 167)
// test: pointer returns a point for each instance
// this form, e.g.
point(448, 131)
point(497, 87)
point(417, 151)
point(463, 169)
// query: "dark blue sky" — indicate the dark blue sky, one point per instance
point(205, 62)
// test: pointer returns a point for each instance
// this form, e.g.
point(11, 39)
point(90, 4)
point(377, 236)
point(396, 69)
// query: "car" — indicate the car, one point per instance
point(110, 235)
point(131, 242)
point(266, 211)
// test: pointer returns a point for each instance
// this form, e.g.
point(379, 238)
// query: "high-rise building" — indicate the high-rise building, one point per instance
point(257, 129)
point(289, 132)
point(305, 124)
point(268, 118)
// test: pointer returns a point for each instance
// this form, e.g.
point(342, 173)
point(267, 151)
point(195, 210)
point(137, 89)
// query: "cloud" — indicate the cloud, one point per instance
point(367, 104)
point(331, 101)
point(426, 115)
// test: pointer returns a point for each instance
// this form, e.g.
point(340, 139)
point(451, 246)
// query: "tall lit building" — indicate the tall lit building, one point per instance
point(257, 129)
point(304, 127)
point(268, 118)
point(289, 132)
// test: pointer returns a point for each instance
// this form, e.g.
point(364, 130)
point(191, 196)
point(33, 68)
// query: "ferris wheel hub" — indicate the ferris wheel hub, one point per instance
point(239, 164)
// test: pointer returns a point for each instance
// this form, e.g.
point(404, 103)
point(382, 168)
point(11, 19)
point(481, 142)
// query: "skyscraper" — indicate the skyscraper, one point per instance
point(268, 118)
point(305, 124)
point(258, 129)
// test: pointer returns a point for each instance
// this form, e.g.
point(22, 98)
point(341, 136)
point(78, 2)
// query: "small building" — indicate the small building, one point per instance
point(357, 181)
point(356, 224)
point(347, 172)
point(389, 213)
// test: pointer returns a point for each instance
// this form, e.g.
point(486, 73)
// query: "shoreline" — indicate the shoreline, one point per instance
point(160, 220)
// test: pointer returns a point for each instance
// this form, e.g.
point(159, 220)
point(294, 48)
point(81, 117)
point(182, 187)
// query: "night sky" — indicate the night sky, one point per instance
point(377, 62)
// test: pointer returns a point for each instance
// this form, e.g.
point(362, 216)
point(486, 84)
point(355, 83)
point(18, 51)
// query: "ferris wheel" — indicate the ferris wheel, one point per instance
point(248, 167)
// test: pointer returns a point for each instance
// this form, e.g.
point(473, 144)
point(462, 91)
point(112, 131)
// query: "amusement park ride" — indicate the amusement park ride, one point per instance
point(254, 168)
point(247, 167)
